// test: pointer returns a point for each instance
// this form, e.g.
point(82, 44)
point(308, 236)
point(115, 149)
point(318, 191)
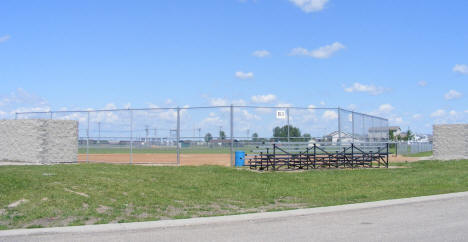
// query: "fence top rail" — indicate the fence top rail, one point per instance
point(198, 107)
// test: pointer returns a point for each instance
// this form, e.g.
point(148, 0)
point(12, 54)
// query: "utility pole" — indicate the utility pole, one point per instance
point(147, 134)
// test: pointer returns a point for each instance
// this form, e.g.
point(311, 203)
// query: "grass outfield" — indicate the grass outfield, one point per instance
point(62, 195)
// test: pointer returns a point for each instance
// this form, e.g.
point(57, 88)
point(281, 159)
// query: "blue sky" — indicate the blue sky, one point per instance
point(403, 60)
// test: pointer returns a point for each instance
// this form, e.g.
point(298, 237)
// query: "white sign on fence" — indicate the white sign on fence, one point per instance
point(280, 114)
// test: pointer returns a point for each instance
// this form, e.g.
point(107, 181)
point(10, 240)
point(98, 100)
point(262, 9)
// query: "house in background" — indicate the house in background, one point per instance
point(395, 129)
point(334, 137)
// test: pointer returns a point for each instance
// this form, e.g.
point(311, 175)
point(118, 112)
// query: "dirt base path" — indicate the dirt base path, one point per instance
point(188, 159)
point(401, 158)
point(185, 159)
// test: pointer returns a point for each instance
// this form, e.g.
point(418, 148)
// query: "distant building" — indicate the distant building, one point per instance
point(422, 138)
point(403, 135)
point(395, 129)
point(335, 136)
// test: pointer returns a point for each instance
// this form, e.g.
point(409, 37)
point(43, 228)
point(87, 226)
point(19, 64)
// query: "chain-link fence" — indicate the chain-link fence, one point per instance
point(408, 148)
point(210, 135)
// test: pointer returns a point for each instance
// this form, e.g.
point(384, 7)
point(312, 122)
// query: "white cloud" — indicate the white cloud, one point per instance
point(263, 98)
point(329, 115)
point(218, 102)
point(248, 116)
point(396, 120)
point(309, 6)
point(358, 87)
point(261, 53)
point(33, 109)
point(169, 115)
point(322, 103)
point(460, 68)
point(239, 102)
point(311, 108)
point(243, 75)
point(320, 53)
point(110, 106)
point(151, 105)
point(386, 108)
point(452, 94)
point(4, 38)
point(417, 116)
point(284, 105)
point(22, 97)
point(422, 83)
point(212, 120)
point(438, 113)
point(264, 110)
point(445, 117)
point(22, 101)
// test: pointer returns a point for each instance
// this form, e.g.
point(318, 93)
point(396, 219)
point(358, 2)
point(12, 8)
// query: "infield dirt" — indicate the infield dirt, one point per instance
point(185, 159)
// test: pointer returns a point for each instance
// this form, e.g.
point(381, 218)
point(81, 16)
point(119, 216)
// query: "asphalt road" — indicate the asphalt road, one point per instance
point(440, 220)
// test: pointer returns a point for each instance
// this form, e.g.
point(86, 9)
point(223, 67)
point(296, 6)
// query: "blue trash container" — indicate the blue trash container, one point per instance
point(240, 157)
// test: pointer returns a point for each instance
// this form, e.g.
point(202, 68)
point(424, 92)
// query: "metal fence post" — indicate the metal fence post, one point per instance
point(87, 141)
point(131, 136)
point(178, 136)
point(51, 113)
point(232, 134)
point(339, 126)
point(287, 115)
point(352, 123)
point(16, 115)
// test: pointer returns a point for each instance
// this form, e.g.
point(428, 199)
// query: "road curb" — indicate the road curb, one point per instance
point(224, 219)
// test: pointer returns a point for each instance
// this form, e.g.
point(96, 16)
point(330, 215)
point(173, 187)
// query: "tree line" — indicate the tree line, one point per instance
point(279, 134)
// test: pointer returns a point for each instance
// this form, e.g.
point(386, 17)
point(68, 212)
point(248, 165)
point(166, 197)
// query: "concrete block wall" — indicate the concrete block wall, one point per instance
point(39, 141)
point(450, 141)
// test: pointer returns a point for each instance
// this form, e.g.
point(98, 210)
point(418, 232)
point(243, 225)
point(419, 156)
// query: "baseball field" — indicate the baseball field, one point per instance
point(168, 156)
point(191, 156)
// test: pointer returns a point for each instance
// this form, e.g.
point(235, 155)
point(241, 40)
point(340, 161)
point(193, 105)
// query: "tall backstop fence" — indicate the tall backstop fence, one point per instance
point(408, 148)
point(211, 135)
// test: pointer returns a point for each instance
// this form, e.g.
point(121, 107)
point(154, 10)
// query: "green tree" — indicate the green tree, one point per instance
point(391, 134)
point(255, 137)
point(222, 135)
point(307, 137)
point(281, 133)
point(208, 137)
point(409, 135)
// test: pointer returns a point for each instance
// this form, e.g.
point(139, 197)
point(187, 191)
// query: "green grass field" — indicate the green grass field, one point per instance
point(63, 195)
point(421, 154)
